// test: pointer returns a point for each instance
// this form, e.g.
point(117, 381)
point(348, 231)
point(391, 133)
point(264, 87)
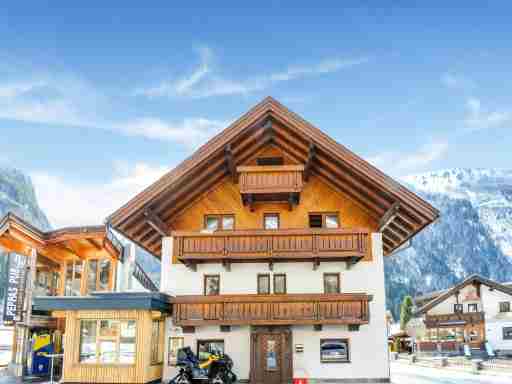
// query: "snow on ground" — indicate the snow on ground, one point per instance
point(413, 374)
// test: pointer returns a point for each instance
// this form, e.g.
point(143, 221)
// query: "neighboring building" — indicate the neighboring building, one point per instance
point(473, 312)
point(48, 271)
point(272, 238)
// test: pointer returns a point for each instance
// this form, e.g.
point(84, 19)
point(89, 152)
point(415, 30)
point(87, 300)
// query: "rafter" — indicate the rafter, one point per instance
point(309, 162)
point(230, 163)
point(389, 216)
point(156, 222)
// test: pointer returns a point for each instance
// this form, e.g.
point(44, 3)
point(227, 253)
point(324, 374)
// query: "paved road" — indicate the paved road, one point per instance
point(407, 374)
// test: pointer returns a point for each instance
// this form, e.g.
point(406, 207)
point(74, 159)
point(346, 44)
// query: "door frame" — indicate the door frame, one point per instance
point(286, 350)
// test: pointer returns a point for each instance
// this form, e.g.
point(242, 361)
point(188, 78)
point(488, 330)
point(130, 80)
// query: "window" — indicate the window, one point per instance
point(219, 222)
point(269, 161)
point(458, 308)
point(98, 275)
point(211, 285)
point(472, 307)
point(334, 351)
point(271, 221)
point(331, 283)
point(505, 306)
point(157, 341)
point(73, 278)
point(107, 342)
point(263, 284)
point(280, 284)
point(507, 333)
point(324, 220)
point(205, 348)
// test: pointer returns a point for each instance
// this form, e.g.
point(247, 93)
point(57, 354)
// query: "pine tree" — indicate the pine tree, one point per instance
point(406, 312)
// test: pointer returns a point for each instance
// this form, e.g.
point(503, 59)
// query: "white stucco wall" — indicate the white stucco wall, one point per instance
point(368, 346)
point(446, 306)
point(494, 320)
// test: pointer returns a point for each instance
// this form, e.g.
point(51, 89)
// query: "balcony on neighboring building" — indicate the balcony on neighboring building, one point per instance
point(454, 319)
point(271, 183)
point(343, 308)
point(315, 245)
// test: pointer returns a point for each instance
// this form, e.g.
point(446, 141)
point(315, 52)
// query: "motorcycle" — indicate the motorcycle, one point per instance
point(217, 369)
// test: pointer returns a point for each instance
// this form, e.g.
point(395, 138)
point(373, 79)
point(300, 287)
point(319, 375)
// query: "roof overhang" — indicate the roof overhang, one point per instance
point(148, 216)
point(152, 301)
point(17, 235)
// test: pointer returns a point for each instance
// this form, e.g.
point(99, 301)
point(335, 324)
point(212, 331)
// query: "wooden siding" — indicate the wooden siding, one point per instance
point(315, 197)
point(275, 245)
point(271, 309)
point(140, 372)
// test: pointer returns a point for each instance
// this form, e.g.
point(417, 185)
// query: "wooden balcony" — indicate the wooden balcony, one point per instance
point(279, 183)
point(453, 319)
point(314, 245)
point(342, 308)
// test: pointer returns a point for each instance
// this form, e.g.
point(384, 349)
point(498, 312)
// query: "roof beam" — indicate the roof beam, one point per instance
point(389, 216)
point(230, 162)
point(156, 222)
point(309, 162)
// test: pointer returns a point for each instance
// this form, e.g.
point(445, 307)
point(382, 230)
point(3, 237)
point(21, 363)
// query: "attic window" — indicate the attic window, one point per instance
point(269, 161)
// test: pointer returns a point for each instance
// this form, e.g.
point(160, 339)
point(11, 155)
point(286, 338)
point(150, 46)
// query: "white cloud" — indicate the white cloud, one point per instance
point(398, 163)
point(73, 202)
point(68, 101)
point(205, 81)
point(456, 81)
point(479, 118)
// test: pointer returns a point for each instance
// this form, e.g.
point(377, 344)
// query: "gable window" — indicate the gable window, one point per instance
point(269, 161)
point(279, 283)
point(73, 278)
point(472, 307)
point(507, 333)
point(331, 283)
point(505, 306)
point(271, 221)
point(211, 285)
point(98, 275)
point(219, 222)
point(334, 351)
point(324, 220)
point(263, 284)
point(458, 308)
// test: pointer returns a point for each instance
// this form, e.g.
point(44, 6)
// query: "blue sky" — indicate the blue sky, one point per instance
point(96, 101)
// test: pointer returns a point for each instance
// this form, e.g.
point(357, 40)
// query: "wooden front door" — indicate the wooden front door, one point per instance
point(271, 356)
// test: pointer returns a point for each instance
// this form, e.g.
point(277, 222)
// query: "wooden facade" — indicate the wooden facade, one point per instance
point(230, 156)
point(142, 371)
point(271, 309)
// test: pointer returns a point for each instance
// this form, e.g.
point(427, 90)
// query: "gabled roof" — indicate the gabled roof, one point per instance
point(473, 279)
point(401, 212)
point(17, 235)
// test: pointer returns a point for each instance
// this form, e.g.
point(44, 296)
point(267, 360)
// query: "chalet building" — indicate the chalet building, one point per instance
point(272, 239)
point(473, 312)
point(63, 286)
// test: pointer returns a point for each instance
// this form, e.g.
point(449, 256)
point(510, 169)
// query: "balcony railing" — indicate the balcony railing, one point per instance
point(270, 179)
point(271, 309)
point(452, 319)
point(271, 245)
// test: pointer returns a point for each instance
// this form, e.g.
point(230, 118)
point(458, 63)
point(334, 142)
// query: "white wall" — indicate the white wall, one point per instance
point(446, 306)
point(494, 320)
point(368, 345)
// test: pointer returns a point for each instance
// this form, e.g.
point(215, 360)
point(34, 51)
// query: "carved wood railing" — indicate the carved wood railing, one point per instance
point(270, 179)
point(432, 321)
point(271, 309)
point(291, 244)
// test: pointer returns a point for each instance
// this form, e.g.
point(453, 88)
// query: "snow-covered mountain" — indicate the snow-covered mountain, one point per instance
point(473, 235)
point(488, 190)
